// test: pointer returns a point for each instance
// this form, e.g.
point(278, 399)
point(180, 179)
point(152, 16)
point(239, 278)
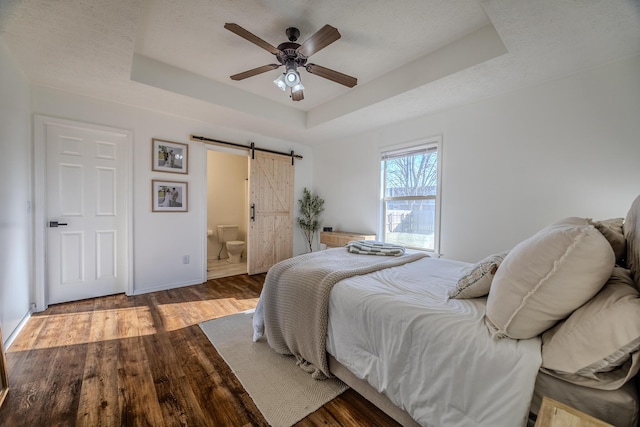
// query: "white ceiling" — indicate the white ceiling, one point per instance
point(411, 58)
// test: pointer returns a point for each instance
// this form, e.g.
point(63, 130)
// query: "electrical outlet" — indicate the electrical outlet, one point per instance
point(185, 259)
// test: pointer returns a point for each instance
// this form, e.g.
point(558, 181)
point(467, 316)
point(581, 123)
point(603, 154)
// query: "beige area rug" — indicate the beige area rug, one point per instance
point(282, 391)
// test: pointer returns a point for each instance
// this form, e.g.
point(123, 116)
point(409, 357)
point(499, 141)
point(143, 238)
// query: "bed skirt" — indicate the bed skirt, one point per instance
point(363, 388)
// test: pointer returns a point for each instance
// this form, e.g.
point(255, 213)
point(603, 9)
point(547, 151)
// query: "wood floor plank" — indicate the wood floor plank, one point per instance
point(28, 337)
point(144, 361)
point(175, 395)
point(199, 371)
point(99, 403)
point(140, 405)
point(99, 397)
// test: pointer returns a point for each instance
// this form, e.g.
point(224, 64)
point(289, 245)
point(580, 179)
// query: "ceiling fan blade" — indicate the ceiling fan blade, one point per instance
point(321, 39)
point(297, 96)
point(254, 72)
point(332, 75)
point(235, 28)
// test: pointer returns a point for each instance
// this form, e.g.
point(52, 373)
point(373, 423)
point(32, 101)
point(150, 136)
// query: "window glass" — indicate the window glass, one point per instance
point(410, 196)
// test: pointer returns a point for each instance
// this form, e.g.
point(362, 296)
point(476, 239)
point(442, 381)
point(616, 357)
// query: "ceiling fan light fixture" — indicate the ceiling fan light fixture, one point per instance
point(297, 88)
point(280, 82)
point(291, 77)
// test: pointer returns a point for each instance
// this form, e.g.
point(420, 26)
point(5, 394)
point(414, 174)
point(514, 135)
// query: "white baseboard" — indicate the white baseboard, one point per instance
point(11, 338)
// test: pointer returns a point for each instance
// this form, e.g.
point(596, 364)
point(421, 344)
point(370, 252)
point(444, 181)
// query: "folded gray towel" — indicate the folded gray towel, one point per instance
point(371, 247)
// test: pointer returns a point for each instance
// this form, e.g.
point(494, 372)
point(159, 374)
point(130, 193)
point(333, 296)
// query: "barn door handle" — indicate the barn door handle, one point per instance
point(253, 212)
point(56, 224)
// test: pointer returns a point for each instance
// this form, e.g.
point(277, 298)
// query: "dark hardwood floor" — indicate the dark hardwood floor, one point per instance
point(144, 361)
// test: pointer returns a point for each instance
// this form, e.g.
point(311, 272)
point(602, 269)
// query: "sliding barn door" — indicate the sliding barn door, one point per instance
point(270, 230)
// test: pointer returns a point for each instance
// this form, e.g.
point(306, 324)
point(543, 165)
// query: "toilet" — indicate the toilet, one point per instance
point(227, 235)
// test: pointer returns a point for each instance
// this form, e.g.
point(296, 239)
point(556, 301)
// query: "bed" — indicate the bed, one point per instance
point(438, 342)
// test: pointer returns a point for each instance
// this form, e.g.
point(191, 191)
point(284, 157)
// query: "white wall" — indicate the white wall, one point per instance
point(15, 180)
point(512, 164)
point(162, 239)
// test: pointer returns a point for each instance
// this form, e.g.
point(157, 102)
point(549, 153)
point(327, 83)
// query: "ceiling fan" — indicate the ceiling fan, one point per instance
point(293, 55)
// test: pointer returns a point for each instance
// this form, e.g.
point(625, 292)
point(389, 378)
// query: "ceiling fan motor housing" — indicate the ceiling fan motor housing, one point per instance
point(287, 52)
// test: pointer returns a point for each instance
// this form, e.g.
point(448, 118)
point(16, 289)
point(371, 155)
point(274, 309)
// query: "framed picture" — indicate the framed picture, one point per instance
point(169, 196)
point(170, 156)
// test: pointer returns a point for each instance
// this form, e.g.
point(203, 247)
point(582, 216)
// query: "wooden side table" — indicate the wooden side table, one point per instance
point(336, 239)
point(556, 414)
point(4, 381)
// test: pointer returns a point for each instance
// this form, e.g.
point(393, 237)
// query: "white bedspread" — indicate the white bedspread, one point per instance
point(431, 356)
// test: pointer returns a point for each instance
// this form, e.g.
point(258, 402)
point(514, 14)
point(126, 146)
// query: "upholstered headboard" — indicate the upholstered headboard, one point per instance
point(631, 230)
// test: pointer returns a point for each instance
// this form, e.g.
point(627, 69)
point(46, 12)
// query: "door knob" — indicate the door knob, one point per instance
point(56, 223)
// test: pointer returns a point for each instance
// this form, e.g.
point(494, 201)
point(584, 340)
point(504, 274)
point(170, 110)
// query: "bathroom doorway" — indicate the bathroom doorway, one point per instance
point(227, 204)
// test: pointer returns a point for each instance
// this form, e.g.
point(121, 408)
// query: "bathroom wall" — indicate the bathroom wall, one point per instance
point(227, 174)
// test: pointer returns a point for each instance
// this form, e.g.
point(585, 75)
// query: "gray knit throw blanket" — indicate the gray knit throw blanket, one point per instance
point(295, 301)
point(371, 247)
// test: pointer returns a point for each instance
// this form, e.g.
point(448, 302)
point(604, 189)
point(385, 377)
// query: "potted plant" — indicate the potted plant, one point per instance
point(311, 205)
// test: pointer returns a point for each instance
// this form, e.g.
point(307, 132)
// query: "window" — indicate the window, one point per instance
point(410, 196)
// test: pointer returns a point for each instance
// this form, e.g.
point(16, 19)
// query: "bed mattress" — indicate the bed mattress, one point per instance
point(431, 356)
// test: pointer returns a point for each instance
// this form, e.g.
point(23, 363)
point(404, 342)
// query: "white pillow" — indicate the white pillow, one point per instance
point(476, 281)
point(631, 229)
point(611, 229)
point(594, 346)
point(544, 278)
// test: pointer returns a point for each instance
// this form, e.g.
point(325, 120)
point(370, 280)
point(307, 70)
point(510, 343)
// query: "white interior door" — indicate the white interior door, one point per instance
point(86, 237)
point(270, 230)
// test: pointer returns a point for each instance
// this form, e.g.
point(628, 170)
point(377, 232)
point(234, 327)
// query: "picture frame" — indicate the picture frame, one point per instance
point(169, 196)
point(168, 156)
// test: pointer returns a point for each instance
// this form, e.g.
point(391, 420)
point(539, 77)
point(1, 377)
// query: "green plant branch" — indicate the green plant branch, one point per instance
point(311, 205)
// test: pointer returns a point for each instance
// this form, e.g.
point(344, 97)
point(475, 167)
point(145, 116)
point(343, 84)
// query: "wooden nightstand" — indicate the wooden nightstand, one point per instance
point(336, 239)
point(556, 414)
point(4, 381)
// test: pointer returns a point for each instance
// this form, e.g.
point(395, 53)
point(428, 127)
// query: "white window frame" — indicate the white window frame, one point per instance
point(434, 141)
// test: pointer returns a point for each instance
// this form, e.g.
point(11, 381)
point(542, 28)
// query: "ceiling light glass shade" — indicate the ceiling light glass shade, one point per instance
point(280, 82)
point(297, 88)
point(291, 77)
